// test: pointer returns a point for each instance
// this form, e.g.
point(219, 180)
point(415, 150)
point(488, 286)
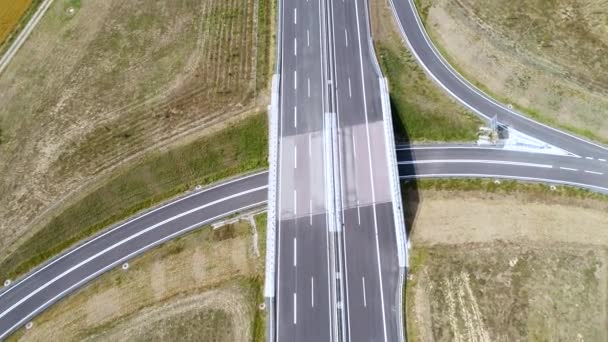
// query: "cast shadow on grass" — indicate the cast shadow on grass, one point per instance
point(409, 188)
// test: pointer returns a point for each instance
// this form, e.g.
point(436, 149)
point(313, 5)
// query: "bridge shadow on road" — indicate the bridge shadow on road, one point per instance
point(409, 188)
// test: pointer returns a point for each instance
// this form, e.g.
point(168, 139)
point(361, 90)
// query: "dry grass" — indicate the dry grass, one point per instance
point(549, 58)
point(11, 11)
point(422, 111)
point(507, 267)
point(100, 83)
point(203, 286)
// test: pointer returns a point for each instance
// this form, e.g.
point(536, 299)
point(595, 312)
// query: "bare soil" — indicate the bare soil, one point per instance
point(100, 83)
point(507, 268)
point(199, 287)
point(549, 58)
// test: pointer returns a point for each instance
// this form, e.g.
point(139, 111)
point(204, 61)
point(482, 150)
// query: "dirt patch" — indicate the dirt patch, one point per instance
point(547, 57)
point(98, 83)
point(503, 268)
point(163, 296)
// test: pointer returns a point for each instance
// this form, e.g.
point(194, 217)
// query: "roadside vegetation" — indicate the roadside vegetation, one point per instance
point(512, 262)
point(204, 286)
point(422, 111)
point(13, 13)
point(111, 84)
point(240, 148)
point(546, 58)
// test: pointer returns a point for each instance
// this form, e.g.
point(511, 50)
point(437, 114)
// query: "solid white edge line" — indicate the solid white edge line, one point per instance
point(473, 161)
point(121, 260)
point(86, 243)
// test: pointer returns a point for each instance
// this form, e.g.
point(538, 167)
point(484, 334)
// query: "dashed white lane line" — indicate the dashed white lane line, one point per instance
point(594, 172)
point(308, 82)
point(358, 212)
point(364, 295)
point(308, 37)
point(350, 90)
point(312, 292)
point(295, 79)
point(310, 144)
point(295, 15)
point(346, 36)
point(295, 252)
point(310, 212)
point(295, 202)
point(295, 46)
point(295, 116)
point(295, 308)
point(568, 168)
point(602, 160)
point(590, 158)
point(295, 157)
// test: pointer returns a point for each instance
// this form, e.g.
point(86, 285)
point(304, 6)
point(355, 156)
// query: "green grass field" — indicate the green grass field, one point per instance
point(240, 148)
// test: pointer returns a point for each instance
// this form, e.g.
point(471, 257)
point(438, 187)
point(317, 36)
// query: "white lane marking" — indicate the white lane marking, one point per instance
point(602, 160)
point(310, 211)
point(568, 168)
point(122, 242)
point(590, 158)
point(295, 79)
point(307, 36)
point(310, 144)
point(594, 172)
point(295, 201)
point(346, 36)
point(350, 90)
point(358, 212)
point(364, 295)
point(295, 46)
point(295, 15)
point(308, 82)
point(354, 146)
point(295, 252)
point(295, 156)
point(312, 292)
point(203, 191)
point(295, 116)
point(295, 308)
point(474, 161)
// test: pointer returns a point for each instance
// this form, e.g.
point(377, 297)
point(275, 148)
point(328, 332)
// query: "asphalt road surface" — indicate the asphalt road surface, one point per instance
point(63, 275)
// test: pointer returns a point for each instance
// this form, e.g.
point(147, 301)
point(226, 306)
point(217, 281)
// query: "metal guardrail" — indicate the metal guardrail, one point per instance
point(273, 147)
point(391, 156)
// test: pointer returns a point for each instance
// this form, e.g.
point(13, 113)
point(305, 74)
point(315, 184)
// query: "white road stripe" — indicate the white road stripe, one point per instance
point(295, 308)
point(474, 161)
point(310, 211)
point(295, 46)
point(602, 160)
point(312, 292)
point(295, 156)
point(350, 90)
point(590, 158)
point(295, 201)
point(358, 212)
point(308, 82)
point(346, 36)
point(295, 79)
point(568, 168)
point(307, 36)
point(295, 15)
point(295, 252)
point(594, 172)
point(295, 116)
point(310, 144)
point(364, 295)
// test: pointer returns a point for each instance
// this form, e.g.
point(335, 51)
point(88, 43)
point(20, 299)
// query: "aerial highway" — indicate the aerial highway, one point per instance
point(61, 276)
point(328, 76)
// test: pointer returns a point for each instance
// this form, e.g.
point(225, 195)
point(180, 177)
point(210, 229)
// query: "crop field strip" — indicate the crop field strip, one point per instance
point(11, 12)
point(217, 85)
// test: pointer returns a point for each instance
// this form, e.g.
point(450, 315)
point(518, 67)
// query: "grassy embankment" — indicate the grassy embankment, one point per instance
point(511, 262)
point(206, 285)
point(236, 149)
point(218, 100)
point(546, 59)
point(422, 111)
